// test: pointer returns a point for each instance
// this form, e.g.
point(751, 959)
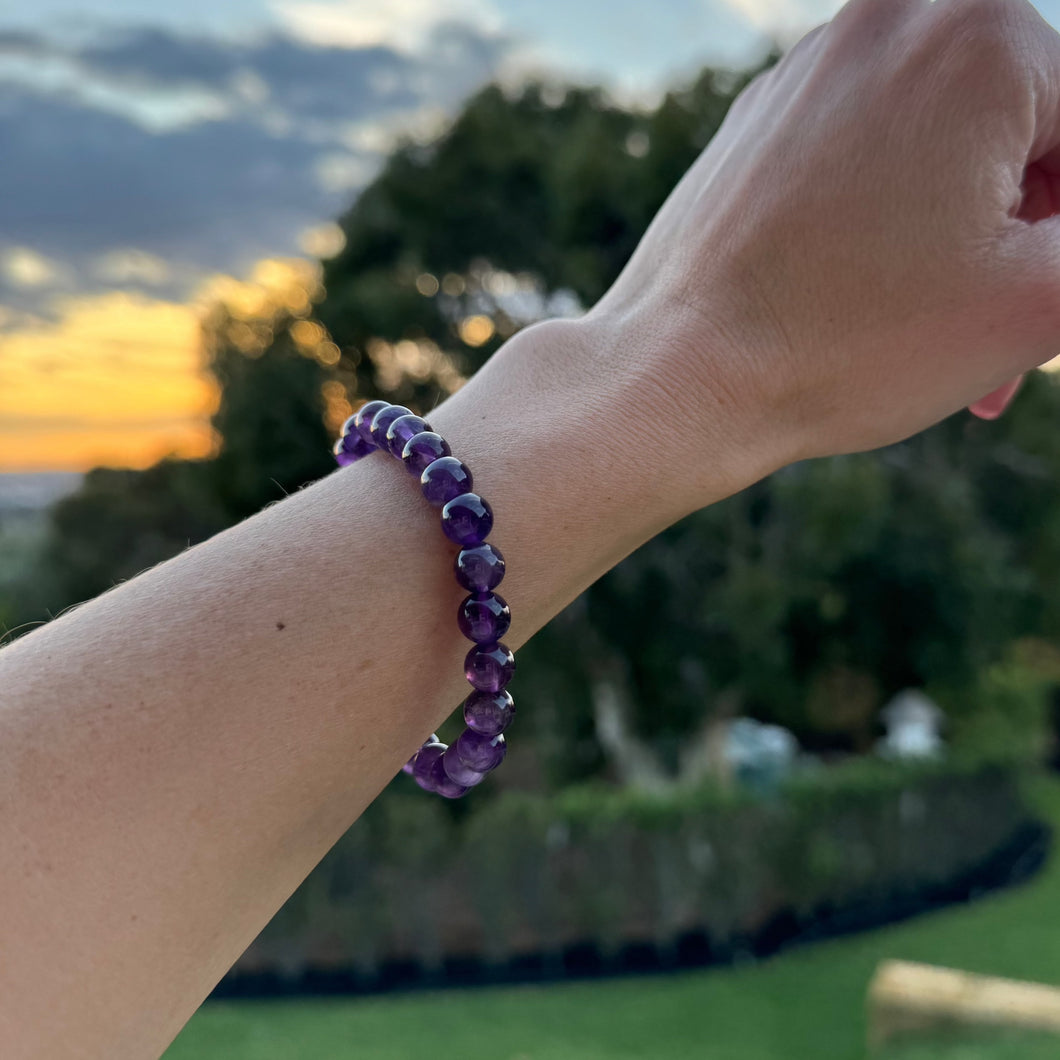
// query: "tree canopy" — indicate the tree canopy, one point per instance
point(808, 599)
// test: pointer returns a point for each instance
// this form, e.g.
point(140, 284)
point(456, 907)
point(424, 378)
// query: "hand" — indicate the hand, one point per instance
point(866, 246)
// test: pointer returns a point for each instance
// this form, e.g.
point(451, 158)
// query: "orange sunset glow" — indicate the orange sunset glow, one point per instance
point(118, 379)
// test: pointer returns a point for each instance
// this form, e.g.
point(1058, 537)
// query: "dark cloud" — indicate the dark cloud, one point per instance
point(302, 79)
point(159, 57)
point(18, 42)
point(77, 180)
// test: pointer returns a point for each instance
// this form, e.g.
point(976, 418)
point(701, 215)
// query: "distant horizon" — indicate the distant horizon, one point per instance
point(22, 491)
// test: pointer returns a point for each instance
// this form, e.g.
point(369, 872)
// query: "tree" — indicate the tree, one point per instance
point(808, 599)
point(272, 367)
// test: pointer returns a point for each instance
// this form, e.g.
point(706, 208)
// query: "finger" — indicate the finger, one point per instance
point(991, 406)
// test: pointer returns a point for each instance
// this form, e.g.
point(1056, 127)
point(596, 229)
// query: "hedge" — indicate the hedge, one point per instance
point(418, 887)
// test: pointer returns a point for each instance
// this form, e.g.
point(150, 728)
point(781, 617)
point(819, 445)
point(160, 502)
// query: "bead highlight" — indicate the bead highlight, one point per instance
point(484, 617)
point(402, 431)
point(444, 480)
point(422, 450)
point(479, 568)
point(489, 667)
point(467, 519)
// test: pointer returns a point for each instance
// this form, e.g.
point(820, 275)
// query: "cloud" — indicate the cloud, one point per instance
point(78, 183)
point(111, 151)
point(404, 24)
point(22, 42)
point(24, 267)
point(310, 81)
point(127, 266)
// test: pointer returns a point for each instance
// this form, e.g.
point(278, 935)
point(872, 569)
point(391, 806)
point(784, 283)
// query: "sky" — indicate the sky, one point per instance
point(151, 153)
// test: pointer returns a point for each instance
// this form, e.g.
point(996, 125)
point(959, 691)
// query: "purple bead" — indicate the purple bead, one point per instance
point(423, 764)
point(484, 617)
point(362, 419)
point(381, 423)
point(422, 450)
point(402, 430)
point(442, 783)
point(479, 569)
point(460, 773)
point(341, 456)
point(489, 667)
point(467, 519)
point(489, 712)
point(444, 479)
point(351, 447)
point(478, 751)
point(348, 425)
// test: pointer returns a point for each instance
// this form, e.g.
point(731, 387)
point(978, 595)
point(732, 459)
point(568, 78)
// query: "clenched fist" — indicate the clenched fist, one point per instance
point(866, 246)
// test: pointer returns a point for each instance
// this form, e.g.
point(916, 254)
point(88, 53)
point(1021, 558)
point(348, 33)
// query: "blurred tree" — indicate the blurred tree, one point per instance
point(807, 599)
point(272, 367)
point(529, 204)
point(117, 524)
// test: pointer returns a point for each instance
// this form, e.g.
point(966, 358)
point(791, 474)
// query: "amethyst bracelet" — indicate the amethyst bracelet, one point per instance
point(483, 616)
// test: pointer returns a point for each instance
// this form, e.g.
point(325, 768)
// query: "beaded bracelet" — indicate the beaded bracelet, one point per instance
point(483, 616)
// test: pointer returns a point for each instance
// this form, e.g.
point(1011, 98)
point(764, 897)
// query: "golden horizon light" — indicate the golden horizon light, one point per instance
point(114, 379)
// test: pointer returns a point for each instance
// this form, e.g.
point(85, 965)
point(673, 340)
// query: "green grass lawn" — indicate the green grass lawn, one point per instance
point(804, 1004)
point(985, 1047)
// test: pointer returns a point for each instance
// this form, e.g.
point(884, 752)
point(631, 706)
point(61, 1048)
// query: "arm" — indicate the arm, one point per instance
point(180, 752)
point(848, 262)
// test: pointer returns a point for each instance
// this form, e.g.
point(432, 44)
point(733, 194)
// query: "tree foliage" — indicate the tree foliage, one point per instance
point(808, 599)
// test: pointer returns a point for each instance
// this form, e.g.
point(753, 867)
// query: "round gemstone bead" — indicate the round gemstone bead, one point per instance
point(424, 449)
point(479, 568)
point(381, 423)
point(349, 424)
point(423, 764)
point(362, 418)
point(442, 783)
point(478, 751)
point(341, 456)
point(489, 667)
point(351, 447)
point(484, 617)
point(489, 712)
point(411, 763)
point(467, 519)
point(460, 773)
point(444, 479)
point(402, 430)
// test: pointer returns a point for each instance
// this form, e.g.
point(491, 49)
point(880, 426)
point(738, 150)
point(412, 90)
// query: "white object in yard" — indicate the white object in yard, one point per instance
point(913, 723)
point(759, 754)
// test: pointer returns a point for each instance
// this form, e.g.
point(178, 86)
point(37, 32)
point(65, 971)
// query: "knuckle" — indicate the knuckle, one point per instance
point(983, 29)
point(871, 19)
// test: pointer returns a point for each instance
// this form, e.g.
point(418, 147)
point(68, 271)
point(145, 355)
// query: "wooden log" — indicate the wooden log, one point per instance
point(907, 998)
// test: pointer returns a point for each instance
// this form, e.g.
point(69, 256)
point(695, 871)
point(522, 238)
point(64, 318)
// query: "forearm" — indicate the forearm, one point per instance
point(176, 755)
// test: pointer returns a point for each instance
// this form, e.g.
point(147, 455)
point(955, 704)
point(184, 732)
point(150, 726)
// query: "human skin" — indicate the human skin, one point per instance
point(866, 246)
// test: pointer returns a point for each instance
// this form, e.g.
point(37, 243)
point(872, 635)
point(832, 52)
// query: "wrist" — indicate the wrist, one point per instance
point(587, 442)
point(555, 435)
point(701, 412)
